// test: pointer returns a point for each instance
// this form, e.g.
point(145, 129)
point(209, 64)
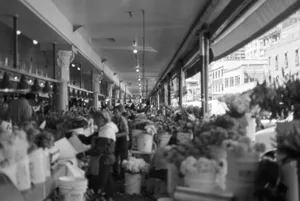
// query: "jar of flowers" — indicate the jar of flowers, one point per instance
point(134, 168)
point(200, 173)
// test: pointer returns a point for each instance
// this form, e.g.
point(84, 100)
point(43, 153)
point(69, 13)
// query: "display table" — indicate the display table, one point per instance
point(188, 194)
point(42, 191)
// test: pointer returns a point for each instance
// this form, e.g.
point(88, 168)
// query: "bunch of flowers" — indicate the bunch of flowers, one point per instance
point(135, 165)
point(237, 104)
point(13, 145)
point(243, 147)
point(192, 165)
point(151, 129)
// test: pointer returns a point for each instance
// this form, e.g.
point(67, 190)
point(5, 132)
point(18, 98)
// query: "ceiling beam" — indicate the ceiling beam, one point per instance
point(201, 18)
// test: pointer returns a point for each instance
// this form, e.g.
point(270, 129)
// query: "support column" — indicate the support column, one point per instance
point(96, 89)
point(169, 90)
point(15, 42)
point(180, 85)
point(204, 56)
point(64, 58)
point(110, 94)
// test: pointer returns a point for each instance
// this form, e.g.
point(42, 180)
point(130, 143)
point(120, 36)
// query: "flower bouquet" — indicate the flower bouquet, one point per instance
point(135, 165)
point(200, 173)
point(14, 160)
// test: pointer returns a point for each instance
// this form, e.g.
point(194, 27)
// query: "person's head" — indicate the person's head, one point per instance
point(101, 118)
point(117, 111)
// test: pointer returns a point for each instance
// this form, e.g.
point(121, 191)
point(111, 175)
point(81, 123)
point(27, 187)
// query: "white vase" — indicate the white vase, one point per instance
point(251, 127)
point(47, 162)
point(202, 181)
point(37, 166)
point(23, 175)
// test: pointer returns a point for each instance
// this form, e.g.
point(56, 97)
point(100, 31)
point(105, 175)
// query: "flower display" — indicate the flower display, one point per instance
point(192, 165)
point(135, 165)
point(13, 146)
point(243, 147)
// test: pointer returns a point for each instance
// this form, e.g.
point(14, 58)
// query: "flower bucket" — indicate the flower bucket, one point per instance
point(37, 166)
point(72, 188)
point(23, 175)
point(133, 183)
point(203, 181)
point(163, 140)
point(47, 162)
point(145, 143)
point(173, 179)
point(251, 127)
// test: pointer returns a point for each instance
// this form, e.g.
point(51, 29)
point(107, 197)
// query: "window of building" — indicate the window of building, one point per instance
point(252, 79)
point(222, 72)
point(276, 62)
point(216, 75)
point(246, 79)
point(237, 80)
point(219, 74)
point(297, 57)
point(286, 63)
point(231, 82)
point(226, 82)
point(213, 75)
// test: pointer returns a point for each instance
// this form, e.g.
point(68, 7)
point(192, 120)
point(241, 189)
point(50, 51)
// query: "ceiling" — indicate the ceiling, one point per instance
point(111, 30)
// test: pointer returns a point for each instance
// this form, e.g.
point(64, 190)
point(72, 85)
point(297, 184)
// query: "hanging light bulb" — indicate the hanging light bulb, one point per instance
point(78, 68)
point(135, 51)
point(73, 65)
point(35, 42)
point(19, 32)
point(137, 70)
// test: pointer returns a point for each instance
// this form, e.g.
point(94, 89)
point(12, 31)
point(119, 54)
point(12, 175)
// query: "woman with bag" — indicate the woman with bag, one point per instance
point(102, 158)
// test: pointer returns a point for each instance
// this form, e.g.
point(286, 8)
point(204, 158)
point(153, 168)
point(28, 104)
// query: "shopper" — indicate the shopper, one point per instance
point(102, 158)
point(121, 151)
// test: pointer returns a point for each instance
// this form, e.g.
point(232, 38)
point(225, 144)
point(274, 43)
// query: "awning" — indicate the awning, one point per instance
point(258, 19)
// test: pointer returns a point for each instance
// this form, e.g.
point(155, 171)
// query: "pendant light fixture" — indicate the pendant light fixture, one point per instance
point(78, 94)
point(6, 84)
point(36, 88)
point(54, 88)
point(73, 93)
point(47, 88)
point(23, 84)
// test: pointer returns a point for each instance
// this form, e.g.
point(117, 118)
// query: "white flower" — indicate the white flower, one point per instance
point(189, 165)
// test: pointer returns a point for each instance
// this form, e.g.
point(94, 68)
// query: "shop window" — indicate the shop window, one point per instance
point(237, 80)
point(231, 82)
point(276, 62)
point(297, 57)
point(286, 63)
point(226, 82)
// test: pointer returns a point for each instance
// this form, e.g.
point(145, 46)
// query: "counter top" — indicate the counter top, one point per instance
point(189, 194)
